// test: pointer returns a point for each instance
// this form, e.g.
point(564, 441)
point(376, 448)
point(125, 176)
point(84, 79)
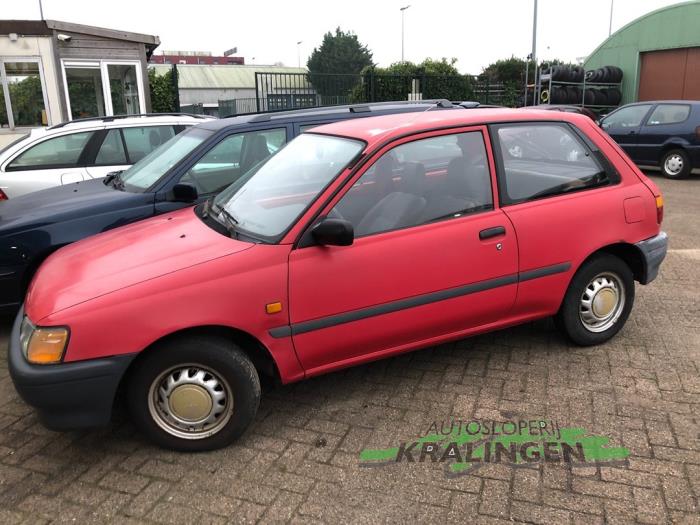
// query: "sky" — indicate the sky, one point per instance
point(476, 32)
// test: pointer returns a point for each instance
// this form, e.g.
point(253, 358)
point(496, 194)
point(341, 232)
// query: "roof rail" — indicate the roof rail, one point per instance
point(364, 107)
point(110, 118)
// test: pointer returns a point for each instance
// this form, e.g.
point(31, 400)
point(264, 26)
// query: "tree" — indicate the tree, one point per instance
point(163, 96)
point(436, 79)
point(339, 53)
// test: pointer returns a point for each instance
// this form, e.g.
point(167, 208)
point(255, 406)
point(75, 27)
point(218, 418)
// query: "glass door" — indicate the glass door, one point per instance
point(100, 88)
point(85, 90)
point(124, 89)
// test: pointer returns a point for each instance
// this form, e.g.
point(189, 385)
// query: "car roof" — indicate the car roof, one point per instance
point(298, 115)
point(675, 101)
point(130, 120)
point(374, 129)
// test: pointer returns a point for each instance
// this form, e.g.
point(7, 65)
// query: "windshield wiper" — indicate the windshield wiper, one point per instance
point(115, 179)
point(229, 221)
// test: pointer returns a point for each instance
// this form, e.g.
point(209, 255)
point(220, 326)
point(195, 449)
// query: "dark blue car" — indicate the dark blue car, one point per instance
point(665, 133)
point(189, 168)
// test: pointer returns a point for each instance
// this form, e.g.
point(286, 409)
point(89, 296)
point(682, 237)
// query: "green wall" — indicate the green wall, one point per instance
point(667, 28)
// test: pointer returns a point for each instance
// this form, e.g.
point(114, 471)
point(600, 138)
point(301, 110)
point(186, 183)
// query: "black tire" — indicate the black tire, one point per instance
point(675, 164)
point(589, 97)
point(544, 96)
point(615, 74)
point(589, 75)
point(577, 74)
point(600, 98)
point(570, 317)
point(226, 366)
point(614, 96)
point(573, 95)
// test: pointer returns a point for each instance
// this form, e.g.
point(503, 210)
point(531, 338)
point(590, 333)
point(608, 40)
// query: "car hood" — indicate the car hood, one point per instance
point(79, 199)
point(124, 257)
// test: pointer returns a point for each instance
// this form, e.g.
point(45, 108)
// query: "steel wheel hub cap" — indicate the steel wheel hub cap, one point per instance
point(674, 164)
point(602, 302)
point(190, 401)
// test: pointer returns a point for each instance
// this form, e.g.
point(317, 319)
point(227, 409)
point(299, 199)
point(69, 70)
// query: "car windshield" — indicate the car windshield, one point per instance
point(146, 172)
point(270, 197)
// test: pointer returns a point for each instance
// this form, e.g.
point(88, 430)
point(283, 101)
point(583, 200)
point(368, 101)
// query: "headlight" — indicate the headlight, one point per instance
point(43, 345)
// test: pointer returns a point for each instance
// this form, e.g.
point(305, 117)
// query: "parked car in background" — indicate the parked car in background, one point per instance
point(664, 133)
point(359, 240)
point(84, 149)
point(188, 168)
point(568, 108)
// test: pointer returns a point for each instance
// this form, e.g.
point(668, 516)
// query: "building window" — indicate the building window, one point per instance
point(22, 95)
point(99, 88)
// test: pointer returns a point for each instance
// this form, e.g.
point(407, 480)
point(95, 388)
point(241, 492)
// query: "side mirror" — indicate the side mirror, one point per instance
point(333, 232)
point(183, 192)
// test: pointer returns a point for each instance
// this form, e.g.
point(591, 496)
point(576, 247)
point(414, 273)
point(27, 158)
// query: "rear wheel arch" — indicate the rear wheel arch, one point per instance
point(628, 253)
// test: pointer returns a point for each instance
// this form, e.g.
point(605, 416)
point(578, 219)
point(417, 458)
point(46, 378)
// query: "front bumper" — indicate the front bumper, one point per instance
point(68, 395)
point(653, 252)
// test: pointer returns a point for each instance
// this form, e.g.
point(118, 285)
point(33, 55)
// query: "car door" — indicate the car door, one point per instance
point(432, 256)
point(665, 123)
point(565, 202)
point(51, 162)
point(624, 125)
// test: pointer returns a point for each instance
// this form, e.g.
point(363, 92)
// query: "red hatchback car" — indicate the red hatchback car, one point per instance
point(357, 241)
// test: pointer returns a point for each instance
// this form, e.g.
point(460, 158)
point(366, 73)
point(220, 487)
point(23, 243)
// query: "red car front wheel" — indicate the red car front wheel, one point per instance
point(194, 393)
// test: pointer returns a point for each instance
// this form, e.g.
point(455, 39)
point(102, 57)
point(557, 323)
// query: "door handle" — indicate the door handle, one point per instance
point(492, 232)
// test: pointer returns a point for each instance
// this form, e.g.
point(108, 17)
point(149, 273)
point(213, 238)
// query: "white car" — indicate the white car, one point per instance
point(84, 149)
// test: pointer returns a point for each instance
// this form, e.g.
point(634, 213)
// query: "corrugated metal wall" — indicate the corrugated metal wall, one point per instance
point(677, 26)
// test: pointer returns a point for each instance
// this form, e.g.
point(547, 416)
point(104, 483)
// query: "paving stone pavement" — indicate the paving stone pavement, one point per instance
point(300, 460)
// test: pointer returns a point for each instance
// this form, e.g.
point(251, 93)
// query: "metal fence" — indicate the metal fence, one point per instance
point(282, 91)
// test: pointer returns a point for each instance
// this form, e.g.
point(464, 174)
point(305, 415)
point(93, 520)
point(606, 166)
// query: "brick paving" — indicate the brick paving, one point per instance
point(300, 460)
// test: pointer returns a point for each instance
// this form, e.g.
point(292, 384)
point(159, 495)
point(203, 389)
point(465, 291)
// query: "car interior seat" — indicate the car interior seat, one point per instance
point(254, 150)
point(401, 207)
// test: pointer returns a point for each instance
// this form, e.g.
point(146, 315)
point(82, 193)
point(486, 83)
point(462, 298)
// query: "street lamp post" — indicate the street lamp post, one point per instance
point(612, 3)
point(403, 11)
point(299, 52)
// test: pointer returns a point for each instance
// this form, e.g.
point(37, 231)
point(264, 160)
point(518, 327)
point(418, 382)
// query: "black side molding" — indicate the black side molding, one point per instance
point(412, 302)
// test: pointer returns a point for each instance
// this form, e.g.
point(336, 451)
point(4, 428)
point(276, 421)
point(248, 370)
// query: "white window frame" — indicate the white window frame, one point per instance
point(6, 90)
point(102, 65)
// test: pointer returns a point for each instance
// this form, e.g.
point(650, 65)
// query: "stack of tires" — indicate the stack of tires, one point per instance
point(592, 96)
point(603, 96)
point(565, 73)
point(604, 75)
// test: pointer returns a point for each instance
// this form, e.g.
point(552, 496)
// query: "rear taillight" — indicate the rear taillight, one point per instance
point(659, 208)
point(3, 197)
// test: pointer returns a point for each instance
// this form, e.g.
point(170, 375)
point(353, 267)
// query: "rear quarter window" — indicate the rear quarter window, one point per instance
point(669, 114)
point(538, 160)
